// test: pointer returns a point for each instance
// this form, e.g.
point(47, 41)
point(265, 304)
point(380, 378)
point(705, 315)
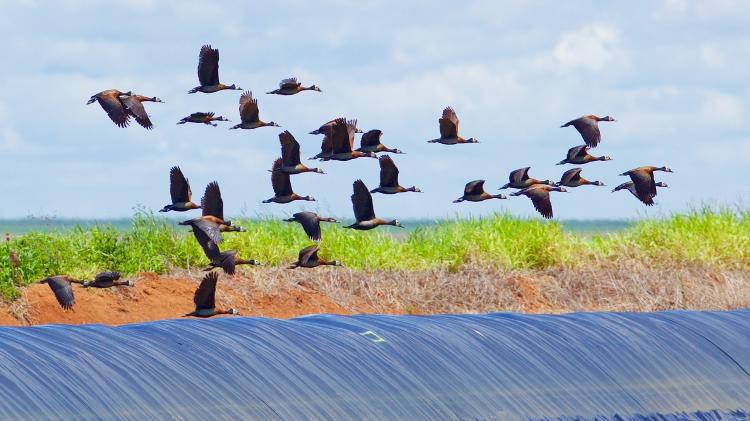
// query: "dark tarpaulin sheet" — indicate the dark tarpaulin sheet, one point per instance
point(606, 366)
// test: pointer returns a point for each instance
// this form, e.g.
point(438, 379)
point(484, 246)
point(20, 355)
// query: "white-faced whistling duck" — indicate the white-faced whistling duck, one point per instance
point(370, 142)
point(539, 195)
point(308, 258)
point(205, 230)
point(449, 130)
point(228, 261)
point(588, 127)
point(249, 114)
point(572, 178)
point(179, 190)
point(205, 298)
point(579, 155)
point(61, 287)
point(290, 155)
point(643, 177)
point(107, 279)
point(205, 118)
point(310, 222)
point(324, 128)
point(364, 213)
point(474, 192)
point(208, 72)
point(630, 186)
point(519, 179)
point(213, 208)
point(389, 178)
point(111, 103)
point(291, 86)
point(342, 138)
point(134, 106)
point(282, 186)
point(326, 147)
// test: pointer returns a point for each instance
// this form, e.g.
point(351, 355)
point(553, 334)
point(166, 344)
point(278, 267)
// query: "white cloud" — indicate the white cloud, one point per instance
point(590, 47)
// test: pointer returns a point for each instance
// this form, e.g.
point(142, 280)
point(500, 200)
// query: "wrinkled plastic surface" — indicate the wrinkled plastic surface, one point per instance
point(679, 365)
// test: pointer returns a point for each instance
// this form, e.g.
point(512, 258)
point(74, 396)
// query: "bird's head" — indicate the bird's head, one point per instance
point(272, 124)
point(396, 223)
point(608, 118)
point(155, 99)
point(666, 169)
point(233, 311)
point(91, 100)
point(661, 184)
point(329, 219)
point(221, 118)
point(234, 87)
point(597, 183)
point(309, 198)
point(605, 158)
point(315, 88)
point(561, 189)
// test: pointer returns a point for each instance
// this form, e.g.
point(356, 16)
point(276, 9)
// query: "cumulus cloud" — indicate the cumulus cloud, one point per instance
point(589, 48)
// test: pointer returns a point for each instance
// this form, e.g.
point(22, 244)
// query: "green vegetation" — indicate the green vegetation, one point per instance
point(705, 237)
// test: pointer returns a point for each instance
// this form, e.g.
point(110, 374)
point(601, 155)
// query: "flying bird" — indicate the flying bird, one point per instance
point(539, 195)
point(519, 179)
point(449, 130)
point(579, 155)
point(106, 279)
point(342, 140)
point(112, 105)
point(588, 127)
point(212, 207)
point(134, 107)
point(179, 191)
point(228, 261)
point(310, 222)
point(572, 178)
point(370, 142)
point(643, 178)
point(474, 192)
point(291, 86)
point(61, 287)
point(205, 298)
point(389, 178)
point(204, 118)
point(308, 258)
point(630, 186)
point(249, 114)
point(282, 186)
point(364, 212)
point(290, 155)
point(325, 127)
point(208, 72)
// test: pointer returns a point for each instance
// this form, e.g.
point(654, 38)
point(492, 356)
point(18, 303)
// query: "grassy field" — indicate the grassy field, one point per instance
point(705, 238)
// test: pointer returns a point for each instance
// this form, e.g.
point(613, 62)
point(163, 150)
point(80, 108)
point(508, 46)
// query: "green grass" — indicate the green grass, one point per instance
point(710, 237)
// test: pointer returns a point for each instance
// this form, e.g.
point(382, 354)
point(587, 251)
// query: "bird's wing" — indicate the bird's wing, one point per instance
point(211, 203)
point(570, 175)
point(282, 186)
point(248, 107)
point(644, 182)
point(107, 276)
point(388, 172)
point(308, 254)
point(208, 66)
point(449, 124)
point(289, 149)
point(541, 201)
point(519, 175)
point(203, 236)
point(179, 188)
point(201, 116)
point(290, 83)
point(205, 295)
point(212, 231)
point(63, 291)
point(589, 130)
point(474, 187)
point(362, 202)
point(340, 136)
point(310, 224)
point(577, 151)
point(229, 261)
point(115, 109)
point(135, 108)
point(351, 130)
point(327, 145)
point(371, 138)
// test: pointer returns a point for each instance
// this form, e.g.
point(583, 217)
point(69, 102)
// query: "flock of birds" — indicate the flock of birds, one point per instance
point(338, 144)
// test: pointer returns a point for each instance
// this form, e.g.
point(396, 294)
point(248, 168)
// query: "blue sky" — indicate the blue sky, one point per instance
point(673, 73)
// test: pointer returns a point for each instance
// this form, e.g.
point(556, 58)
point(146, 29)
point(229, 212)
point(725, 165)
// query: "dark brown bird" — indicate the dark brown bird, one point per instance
point(630, 186)
point(539, 195)
point(179, 190)
point(291, 86)
point(308, 258)
point(588, 127)
point(572, 178)
point(364, 212)
point(342, 140)
point(134, 107)
point(370, 142)
point(106, 280)
point(205, 298)
point(249, 114)
point(112, 105)
point(579, 155)
point(228, 261)
point(519, 179)
point(61, 287)
point(474, 192)
point(282, 186)
point(326, 148)
point(208, 72)
point(213, 208)
point(324, 128)
point(449, 130)
point(204, 118)
point(643, 178)
point(290, 155)
point(389, 178)
point(310, 222)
